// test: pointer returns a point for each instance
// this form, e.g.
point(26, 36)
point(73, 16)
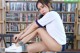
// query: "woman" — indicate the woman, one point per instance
point(53, 36)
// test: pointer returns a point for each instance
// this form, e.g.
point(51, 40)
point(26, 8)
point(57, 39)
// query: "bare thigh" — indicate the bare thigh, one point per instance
point(37, 47)
point(50, 42)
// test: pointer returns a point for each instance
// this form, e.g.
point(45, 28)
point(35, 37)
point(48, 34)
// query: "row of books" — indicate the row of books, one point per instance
point(67, 17)
point(69, 27)
point(70, 41)
point(12, 27)
point(18, 27)
point(21, 6)
point(31, 6)
point(68, 7)
point(21, 16)
point(33, 16)
point(15, 27)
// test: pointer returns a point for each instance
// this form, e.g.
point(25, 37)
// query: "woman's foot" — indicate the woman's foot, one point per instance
point(14, 48)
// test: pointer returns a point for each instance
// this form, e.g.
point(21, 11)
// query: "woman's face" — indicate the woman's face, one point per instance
point(43, 9)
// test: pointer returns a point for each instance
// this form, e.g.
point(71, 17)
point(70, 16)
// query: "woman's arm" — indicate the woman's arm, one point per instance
point(32, 27)
point(17, 36)
point(22, 32)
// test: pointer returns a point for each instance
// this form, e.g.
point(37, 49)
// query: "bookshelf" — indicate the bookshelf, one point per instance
point(77, 27)
point(2, 22)
point(19, 14)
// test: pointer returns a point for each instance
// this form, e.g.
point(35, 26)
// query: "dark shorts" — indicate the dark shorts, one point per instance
point(63, 47)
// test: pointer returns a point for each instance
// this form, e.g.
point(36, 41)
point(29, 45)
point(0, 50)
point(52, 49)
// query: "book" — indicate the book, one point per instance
point(24, 6)
point(68, 17)
point(16, 17)
point(8, 6)
point(26, 18)
point(11, 6)
point(64, 7)
point(70, 41)
point(69, 27)
point(58, 6)
point(18, 6)
point(69, 7)
point(23, 26)
point(7, 26)
point(21, 16)
point(72, 17)
point(72, 28)
point(14, 27)
point(73, 7)
point(64, 17)
point(12, 17)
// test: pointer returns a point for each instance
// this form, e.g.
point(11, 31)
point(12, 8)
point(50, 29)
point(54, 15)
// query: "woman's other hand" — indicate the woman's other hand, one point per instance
point(16, 37)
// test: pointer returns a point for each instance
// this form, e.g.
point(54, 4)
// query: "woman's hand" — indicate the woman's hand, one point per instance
point(16, 37)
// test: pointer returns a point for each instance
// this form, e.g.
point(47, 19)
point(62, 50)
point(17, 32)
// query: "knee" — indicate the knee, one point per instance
point(29, 49)
point(39, 29)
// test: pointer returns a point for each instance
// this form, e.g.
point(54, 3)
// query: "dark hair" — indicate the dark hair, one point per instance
point(41, 16)
point(46, 2)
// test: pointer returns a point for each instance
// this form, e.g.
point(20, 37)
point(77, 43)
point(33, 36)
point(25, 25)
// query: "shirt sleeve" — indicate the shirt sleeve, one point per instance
point(47, 18)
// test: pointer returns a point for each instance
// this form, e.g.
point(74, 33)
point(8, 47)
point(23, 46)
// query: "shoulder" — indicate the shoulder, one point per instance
point(52, 12)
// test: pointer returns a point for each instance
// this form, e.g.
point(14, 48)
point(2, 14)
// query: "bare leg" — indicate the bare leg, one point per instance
point(49, 42)
point(37, 47)
point(29, 37)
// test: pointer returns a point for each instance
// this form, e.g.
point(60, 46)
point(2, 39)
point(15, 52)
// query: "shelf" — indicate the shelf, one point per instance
point(23, 11)
point(37, 12)
point(66, 12)
point(69, 32)
point(65, 1)
point(19, 1)
point(23, 22)
point(12, 31)
point(53, 1)
point(68, 22)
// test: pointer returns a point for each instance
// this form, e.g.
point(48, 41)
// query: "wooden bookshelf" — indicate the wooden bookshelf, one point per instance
point(1, 18)
point(23, 11)
point(23, 22)
point(2, 26)
point(77, 27)
point(21, 16)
